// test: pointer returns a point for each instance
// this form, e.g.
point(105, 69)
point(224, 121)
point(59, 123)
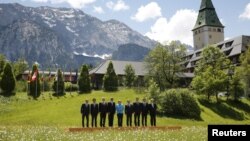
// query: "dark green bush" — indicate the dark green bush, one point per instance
point(180, 102)
point(71, 87)
point(8, 81)
point(58, 85)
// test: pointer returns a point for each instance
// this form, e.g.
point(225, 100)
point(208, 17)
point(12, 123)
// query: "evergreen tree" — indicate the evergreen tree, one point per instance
point(129, 75)
point(84, 80)
point(110, 79)
point(8, 81)
point(34, 88)
point(58, 85)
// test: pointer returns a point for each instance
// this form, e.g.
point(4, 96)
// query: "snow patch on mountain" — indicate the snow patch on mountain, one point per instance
point(69, 29)
point(103, 56)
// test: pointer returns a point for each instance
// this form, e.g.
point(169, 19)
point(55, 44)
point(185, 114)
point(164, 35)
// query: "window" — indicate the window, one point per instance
point(219, 30)
point(198, 54)
point(193, 63)
point(210, 36)
point(195, 32)
point(209, 29)
point(220, 46)
point(214, 29)
point(229, 44)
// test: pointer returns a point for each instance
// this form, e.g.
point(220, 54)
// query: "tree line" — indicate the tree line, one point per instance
point(11, 72)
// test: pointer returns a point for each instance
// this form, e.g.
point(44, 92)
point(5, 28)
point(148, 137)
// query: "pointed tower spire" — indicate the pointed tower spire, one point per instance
point(206, 4)
point(208, 29)
point(207, 15)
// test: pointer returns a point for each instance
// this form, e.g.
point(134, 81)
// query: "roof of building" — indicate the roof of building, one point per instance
point(119, 67)
point(73, 73)
point(234, 46)
point(207, 15)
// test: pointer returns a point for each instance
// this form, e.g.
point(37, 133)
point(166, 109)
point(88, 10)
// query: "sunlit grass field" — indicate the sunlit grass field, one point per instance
point(49, 118)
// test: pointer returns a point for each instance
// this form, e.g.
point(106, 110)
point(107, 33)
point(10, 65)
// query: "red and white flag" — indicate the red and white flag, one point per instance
point(34, 76)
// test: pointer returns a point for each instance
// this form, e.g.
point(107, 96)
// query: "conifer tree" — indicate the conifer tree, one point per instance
point(34, 88)
point(8, 81)
point(58, 85)
point(84, 80)
point(110, 80)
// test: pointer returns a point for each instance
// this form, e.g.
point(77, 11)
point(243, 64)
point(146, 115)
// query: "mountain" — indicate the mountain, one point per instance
point(130, 52)
point(61, 35)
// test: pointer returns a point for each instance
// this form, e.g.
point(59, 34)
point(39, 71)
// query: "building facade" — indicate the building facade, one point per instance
point(208, 30)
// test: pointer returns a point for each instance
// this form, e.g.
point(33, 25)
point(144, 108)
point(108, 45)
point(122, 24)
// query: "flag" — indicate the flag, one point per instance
point(34, 77)
point(43, 76)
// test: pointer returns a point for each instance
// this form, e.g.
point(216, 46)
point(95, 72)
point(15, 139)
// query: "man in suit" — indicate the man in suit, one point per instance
point(129, 112)
point(152, 112)
point(144, 112)
point(137, 111)
point(103, 108)
point(85, 109)
point(94, 112)
point(111, 112)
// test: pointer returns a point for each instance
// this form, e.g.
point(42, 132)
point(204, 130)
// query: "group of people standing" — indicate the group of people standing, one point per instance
point(139, 109)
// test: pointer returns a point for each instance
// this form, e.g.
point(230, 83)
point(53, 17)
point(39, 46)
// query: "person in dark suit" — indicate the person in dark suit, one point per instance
point(152, 112)
point(94, 112)
point(85, 109)
point(103, 108)
point(129, 112)
point(111, 112)
point(144, 112)
point(137, 111)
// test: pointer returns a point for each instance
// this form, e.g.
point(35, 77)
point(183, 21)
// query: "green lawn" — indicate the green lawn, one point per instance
point(48, 118)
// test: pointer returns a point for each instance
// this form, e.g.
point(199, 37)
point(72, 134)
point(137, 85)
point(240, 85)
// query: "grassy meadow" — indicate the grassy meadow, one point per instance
point(49, 118)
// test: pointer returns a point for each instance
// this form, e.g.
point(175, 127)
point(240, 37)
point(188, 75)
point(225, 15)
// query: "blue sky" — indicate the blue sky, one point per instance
point(162, 20)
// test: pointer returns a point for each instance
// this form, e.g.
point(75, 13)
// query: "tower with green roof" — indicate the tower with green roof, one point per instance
point(208, 28)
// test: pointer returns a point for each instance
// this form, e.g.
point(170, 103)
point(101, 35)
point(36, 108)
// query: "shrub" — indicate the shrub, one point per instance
point(21, 86)
point(154, 91)
point(8, 81)
point(179, 102)
point(58, 85)
point(34, 84)
point(84, 80)
point(110, 79)
point(70, 87)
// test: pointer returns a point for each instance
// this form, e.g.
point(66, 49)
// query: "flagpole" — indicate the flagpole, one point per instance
point(43, 81)
point(28, 84)
point(57, 83)
point(70, 83)
point(36, 82)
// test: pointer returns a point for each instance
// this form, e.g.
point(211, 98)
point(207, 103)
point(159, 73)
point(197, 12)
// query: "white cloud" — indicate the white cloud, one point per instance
point(72, 3)
point(246, 13)
point(177, 28)
point(118, 6)
point(149, 11)
point(98, 9)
